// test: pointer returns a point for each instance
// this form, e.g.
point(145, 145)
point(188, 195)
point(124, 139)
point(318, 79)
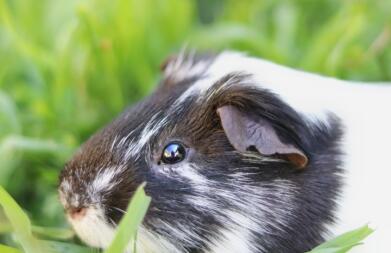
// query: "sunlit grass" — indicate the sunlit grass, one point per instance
point(68, 67)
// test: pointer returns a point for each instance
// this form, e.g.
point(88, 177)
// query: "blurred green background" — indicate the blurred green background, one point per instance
point(68, 67)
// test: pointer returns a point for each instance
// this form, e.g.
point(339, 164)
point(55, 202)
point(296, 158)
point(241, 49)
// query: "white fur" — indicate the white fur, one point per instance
point(184, 66)
point(66, 198)
point(150, 129)
point(365, 112)
point(252, 210)
point(148, 241)
point(105, 180)
point(234, 237)
point(96, 232)
point(93, 229)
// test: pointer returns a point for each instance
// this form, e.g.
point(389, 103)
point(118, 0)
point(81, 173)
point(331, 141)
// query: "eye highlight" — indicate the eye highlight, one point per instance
point(173, 153)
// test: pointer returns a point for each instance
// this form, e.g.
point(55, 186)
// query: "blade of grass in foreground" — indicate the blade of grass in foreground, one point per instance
point(127, 229)
point(344, 242)
point(20, 223)
point(64, 247)
point(45, 232)
point(53, 233)
point(6, 249)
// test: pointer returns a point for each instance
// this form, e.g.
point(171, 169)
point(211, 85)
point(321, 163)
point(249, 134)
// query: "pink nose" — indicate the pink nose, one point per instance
point(77, 212)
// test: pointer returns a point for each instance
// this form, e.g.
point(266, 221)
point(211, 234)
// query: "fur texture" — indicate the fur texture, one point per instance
point(218, 199)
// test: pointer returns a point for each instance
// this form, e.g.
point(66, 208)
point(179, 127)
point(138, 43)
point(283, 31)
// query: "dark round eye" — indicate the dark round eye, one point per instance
point(173, 153)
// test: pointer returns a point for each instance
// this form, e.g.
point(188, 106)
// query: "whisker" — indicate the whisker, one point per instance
point(112, 222)
point(118, 209)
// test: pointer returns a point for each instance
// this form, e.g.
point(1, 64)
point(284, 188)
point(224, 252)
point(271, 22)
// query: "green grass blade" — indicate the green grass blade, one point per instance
point(53, 233)
point(127, 229)
point(336, 250)
point(20, 223)
point(63, 247)
point(8, 116)
point(32, 145)
point(344, 242)
point(46, 232)
point(6, 249)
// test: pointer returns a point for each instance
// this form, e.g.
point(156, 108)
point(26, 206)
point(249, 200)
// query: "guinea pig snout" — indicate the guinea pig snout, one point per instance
point(76, 206)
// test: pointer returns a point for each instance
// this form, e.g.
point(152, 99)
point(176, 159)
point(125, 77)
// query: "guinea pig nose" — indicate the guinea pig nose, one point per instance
point(77, 212)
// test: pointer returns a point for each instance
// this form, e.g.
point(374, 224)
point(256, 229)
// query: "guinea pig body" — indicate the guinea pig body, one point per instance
point(239, 155)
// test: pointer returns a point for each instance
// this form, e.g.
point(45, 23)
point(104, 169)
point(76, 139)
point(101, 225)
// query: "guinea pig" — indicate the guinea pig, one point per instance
point(239, 155)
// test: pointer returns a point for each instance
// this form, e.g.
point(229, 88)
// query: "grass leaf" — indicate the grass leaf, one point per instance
point(20, 223)
point(48, 232)
point(344, 242)
point(63, 247)
point(127, 229)
point(53, 233)
point(6, 249)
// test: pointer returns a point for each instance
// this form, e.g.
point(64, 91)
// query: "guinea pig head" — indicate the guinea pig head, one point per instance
point(230, 167)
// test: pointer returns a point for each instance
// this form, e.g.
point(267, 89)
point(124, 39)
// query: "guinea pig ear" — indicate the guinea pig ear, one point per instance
point(244, 132)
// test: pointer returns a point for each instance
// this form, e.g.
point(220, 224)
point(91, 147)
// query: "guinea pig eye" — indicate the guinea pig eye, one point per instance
point(173, 153)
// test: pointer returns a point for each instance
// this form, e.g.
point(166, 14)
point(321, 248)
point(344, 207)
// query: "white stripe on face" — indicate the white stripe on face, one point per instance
point(151, 128)
point(105, 181)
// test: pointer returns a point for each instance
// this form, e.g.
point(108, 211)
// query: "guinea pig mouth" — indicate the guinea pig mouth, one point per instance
point(91, 226)
point(77, 213)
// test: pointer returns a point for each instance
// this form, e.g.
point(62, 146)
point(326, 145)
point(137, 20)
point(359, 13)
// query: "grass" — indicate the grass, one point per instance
point(127, 230)
point(68, 67)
